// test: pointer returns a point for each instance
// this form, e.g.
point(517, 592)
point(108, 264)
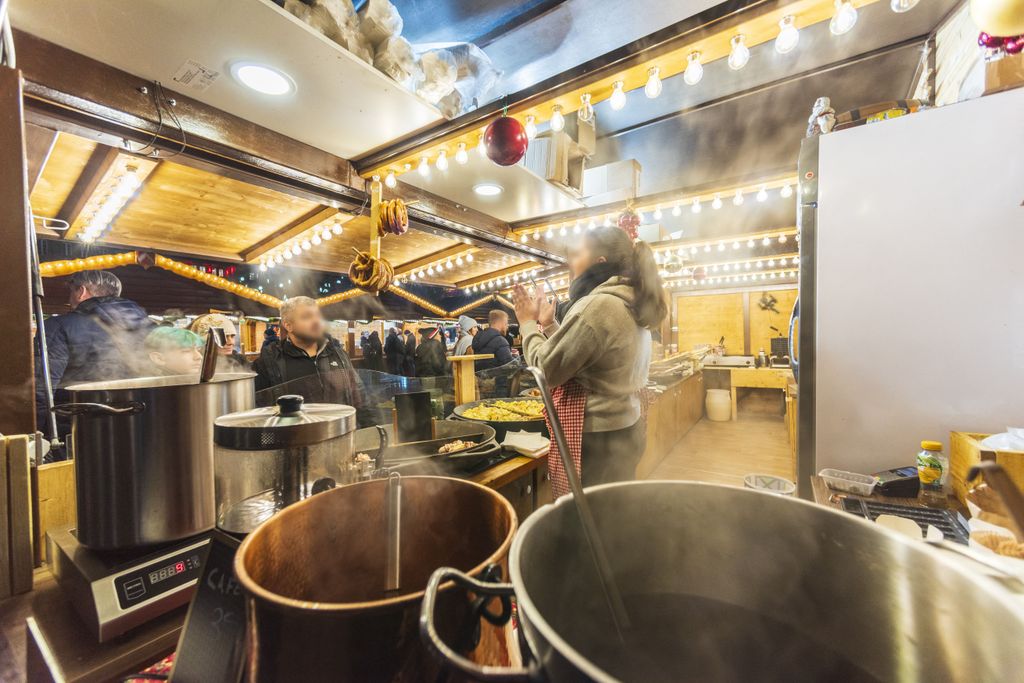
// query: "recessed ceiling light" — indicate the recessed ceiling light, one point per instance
point(262, 79)
point(487, 189)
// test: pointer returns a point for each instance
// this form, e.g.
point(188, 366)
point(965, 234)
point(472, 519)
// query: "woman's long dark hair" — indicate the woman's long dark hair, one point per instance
point(635, 262)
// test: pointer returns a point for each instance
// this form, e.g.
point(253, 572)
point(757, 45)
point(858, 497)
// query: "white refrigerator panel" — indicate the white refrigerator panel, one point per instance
point(920, 282)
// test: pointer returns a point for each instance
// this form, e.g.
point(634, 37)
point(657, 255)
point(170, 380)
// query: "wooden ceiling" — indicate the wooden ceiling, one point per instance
point(184, 210)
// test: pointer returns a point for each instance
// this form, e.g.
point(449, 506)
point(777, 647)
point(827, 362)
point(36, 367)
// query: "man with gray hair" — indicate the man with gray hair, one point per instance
point(308, 361)
point(101, 338)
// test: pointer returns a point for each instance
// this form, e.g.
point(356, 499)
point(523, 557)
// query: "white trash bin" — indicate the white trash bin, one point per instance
point(718, 404)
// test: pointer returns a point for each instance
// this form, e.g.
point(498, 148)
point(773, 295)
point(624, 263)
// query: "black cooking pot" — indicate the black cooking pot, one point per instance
point(727, 584)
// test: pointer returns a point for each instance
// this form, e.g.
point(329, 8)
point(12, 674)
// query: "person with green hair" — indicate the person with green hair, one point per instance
point(174, 351)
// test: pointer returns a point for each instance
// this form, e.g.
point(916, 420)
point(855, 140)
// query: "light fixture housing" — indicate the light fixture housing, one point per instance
point(788, 36)
point(488, 189)
point(263, 79)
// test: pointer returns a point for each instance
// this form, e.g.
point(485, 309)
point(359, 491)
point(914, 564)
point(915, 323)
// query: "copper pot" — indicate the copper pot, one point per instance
point(315, 581)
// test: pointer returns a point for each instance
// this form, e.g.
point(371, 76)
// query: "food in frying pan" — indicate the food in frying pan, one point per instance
point(456, 445)
point(506, 411)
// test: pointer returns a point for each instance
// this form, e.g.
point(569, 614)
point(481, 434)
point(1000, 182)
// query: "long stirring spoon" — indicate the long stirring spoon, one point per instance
point(604, 571)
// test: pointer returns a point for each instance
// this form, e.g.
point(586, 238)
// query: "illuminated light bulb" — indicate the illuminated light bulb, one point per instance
point(788, 36)
point(746, 265)
point(782, 239)
point(576, 229)
point(725, 267)
point(766, 241)
point(901, 6)
point(717, 202)
point(782, 261)
point(707, 248)
point(750, 244)
point(618, 99)
point(531, 126)
point(762, 194)
point(316, 240)
point(695, 207)
point(693, 250)
point(523, 238)
point(759, 264)
point(786, 191)
point(279, 259)
point(288, 253)
point(773, 276)
point(337, 229)
point(442, 161)
point(469, 258)
point(326, 234)
point(844, 19)
point(721, 246)
point(306, 246)
point(737, 198)
point(412, 276)
point(458, 261)
point(557, 119)
point(736, 245)
point(677, 210)
point(694, 71)
point(271, 263)
point(591, 225)
point(430, 270)
point(390, 180)
point(461, 155)
point(740, 53)
point(771, 263)
point(653, 86)
point(549, 234)
point(536, 235)
point(607, 221)
point(481, 147)
point(657, 213)
point(586, 110)
point(424, 167)
point(449, 265)
point(563, 232)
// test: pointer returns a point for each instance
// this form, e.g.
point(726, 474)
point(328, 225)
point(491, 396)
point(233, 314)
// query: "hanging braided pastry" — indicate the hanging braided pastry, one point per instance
point(370, 274)
point(393, 218)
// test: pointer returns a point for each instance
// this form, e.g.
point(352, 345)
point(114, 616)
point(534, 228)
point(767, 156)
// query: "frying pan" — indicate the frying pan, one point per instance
point(422, 455)
point(502, 427)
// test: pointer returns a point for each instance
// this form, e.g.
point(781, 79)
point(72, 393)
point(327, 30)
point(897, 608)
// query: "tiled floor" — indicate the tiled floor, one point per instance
point(723, 452)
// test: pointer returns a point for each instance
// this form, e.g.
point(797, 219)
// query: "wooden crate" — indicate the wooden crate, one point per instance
point(965, 450)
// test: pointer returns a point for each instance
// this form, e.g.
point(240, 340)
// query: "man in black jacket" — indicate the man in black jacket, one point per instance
point(100, 339)
point(492, 340)
point(308, 362)
point(394, 351)
point(430, 354)
point(409, 362)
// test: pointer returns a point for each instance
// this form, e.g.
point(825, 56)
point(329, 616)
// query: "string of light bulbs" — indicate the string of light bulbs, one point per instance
point(440, 266)
point(109, 206)
point(314, 237)
point(841, 15)
point(663, 250)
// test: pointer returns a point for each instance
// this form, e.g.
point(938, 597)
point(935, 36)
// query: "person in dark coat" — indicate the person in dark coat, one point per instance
point(430, 358)
point(394, 351)
point(101, 338)
point(493, 341)
point(373, 352)
point(308, 362)
point(269, 336)
point(409, 363)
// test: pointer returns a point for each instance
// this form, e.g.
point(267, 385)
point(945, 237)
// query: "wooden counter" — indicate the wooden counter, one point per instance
point(669, 417)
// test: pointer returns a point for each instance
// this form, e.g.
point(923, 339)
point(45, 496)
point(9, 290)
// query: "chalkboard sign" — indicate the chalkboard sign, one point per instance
point(212, 644)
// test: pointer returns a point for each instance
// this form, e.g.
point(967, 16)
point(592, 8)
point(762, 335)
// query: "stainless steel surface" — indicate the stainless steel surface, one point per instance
point(806, 223)
point(393, 514)
point(620, 618)
point(276, 427)
point(269, 458)
point(146, 477)
point(897, 608)
point(215, 339)
point(88, 579)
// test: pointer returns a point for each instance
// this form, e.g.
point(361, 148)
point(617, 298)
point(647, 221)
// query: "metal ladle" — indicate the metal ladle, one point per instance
point(604, 571)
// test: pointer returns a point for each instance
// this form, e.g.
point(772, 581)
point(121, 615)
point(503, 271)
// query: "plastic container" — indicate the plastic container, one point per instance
point(850, 482)
point(933, 470)
point(718, 404)
point(769, 483)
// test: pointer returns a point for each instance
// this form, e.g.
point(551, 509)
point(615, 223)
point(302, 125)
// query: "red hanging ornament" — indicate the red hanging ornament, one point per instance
point(629, 222)
point(699, 274)
point(985, 40)
point(505, 140)
point(1014, 46)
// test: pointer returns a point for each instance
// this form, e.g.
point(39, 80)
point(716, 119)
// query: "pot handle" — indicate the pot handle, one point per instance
point(98, 409)
point(449, 657)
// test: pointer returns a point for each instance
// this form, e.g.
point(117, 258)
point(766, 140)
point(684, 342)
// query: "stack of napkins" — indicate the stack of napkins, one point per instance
point(530, 444)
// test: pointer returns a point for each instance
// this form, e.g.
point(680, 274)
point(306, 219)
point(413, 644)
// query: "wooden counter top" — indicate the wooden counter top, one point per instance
point(508, 471)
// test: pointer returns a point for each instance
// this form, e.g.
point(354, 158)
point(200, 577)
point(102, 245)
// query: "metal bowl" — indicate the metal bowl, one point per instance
point(502, 427)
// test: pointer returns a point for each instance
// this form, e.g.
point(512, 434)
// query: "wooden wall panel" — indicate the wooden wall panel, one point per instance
point(705, 319)
point(762, 321)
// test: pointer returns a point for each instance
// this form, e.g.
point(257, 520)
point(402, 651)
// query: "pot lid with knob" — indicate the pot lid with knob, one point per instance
point(290, 423)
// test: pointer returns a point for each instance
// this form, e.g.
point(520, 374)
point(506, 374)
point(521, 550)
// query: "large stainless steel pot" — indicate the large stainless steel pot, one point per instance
point(144, 455)
point(316, 581)
point(726, 584)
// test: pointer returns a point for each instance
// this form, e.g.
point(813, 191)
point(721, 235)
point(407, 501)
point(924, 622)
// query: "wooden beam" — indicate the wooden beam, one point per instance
point(92, 175)
point(511, 270)
point(298, 226)
point(38, 145)
point(434, 257)
point(17, 379)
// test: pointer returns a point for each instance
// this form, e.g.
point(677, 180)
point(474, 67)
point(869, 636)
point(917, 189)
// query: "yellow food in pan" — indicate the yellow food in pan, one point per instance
point(506, 411)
